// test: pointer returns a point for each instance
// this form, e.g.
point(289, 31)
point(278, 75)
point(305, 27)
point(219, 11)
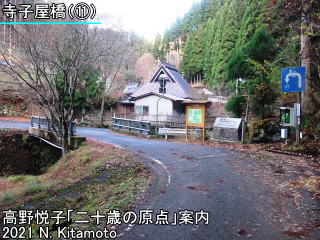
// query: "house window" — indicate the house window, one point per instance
point(179, 108)
point(142, 110)
point(145, 110)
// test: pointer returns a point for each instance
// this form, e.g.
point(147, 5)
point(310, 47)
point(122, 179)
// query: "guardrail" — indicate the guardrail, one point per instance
point(172, 132)
point(43, 123)
point(143, 127)
point(177, 132)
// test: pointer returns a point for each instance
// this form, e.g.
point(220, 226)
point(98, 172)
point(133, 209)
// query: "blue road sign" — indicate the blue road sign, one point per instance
point(293, 79)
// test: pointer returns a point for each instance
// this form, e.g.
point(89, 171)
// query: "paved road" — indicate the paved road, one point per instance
point(224, 182)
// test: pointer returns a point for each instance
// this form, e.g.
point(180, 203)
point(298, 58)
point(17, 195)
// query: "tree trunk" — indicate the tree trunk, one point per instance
point(305, 62)
point(65, 137)
point(307, 96)
point(102, 108)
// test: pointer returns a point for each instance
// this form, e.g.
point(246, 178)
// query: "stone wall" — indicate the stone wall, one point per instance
point(226, 134)
point(22, 154)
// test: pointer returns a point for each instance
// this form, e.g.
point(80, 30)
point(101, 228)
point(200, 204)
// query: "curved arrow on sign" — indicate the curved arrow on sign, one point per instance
point(294, 74)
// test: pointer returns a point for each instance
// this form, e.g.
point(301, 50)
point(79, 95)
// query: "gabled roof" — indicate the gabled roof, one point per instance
point(131, 87)
point(176, 86)
point(166, 96)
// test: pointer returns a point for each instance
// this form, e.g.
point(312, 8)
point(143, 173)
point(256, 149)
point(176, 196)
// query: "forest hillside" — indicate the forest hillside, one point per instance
point(239, 47)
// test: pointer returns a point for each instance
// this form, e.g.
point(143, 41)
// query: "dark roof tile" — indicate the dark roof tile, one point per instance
point(178, 87)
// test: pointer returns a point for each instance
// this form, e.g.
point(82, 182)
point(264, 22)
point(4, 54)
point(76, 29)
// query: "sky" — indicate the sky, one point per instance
point(145, 17)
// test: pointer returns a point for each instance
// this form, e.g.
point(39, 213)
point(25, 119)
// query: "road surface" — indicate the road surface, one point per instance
point(239, 190)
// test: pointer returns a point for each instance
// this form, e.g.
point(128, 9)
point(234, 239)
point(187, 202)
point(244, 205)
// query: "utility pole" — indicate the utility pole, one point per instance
point(162, 90)
point(158, 112)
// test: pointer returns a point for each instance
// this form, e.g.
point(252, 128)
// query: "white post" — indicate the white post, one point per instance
point(157, 117)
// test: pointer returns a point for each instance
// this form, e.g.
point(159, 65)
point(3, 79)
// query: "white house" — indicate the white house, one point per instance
point(150, 102)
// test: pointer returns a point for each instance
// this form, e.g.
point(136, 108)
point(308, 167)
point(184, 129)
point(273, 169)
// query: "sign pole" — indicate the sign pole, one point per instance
point(187, 117)
point(298, 129)
point(204, 123)
point(187, 128)
point(294, 80)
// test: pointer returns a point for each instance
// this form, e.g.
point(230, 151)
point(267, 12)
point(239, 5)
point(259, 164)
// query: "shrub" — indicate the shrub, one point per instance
point(85, 158)
point(101, 125)
point(24, 178)
point(264, 131)
point(7, 197)
point(236, 105)
point(34, 188)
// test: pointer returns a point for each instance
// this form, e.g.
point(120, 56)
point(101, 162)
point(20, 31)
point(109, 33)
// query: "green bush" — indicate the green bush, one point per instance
point(24, 178)
point(7, 197)
point(236, 105)
point(264, 131)
point(34, 188)
point(101, 125)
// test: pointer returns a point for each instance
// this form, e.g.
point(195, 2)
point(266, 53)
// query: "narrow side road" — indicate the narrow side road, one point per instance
point(245, 197)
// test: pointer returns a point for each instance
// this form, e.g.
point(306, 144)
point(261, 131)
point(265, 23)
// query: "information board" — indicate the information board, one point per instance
point(227, 129)
point(195, 116)
point(228, 123)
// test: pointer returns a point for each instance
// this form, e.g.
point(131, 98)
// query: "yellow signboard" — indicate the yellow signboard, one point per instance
point(195, 117)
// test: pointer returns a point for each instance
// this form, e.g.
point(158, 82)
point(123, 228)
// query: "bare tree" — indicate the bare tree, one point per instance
point(117, 56)
point(49, 62)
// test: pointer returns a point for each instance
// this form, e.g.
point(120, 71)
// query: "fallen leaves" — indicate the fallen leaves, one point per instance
point(221, 182)
point(17, 119)
point(278, 169)
point(186, 157)
point(242, 232)
point(198, 188)
point(311, 183)
point(295, 234)
point(299, 231)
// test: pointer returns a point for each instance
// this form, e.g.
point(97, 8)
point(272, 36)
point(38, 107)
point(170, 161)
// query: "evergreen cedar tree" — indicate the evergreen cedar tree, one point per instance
point(216, 33)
